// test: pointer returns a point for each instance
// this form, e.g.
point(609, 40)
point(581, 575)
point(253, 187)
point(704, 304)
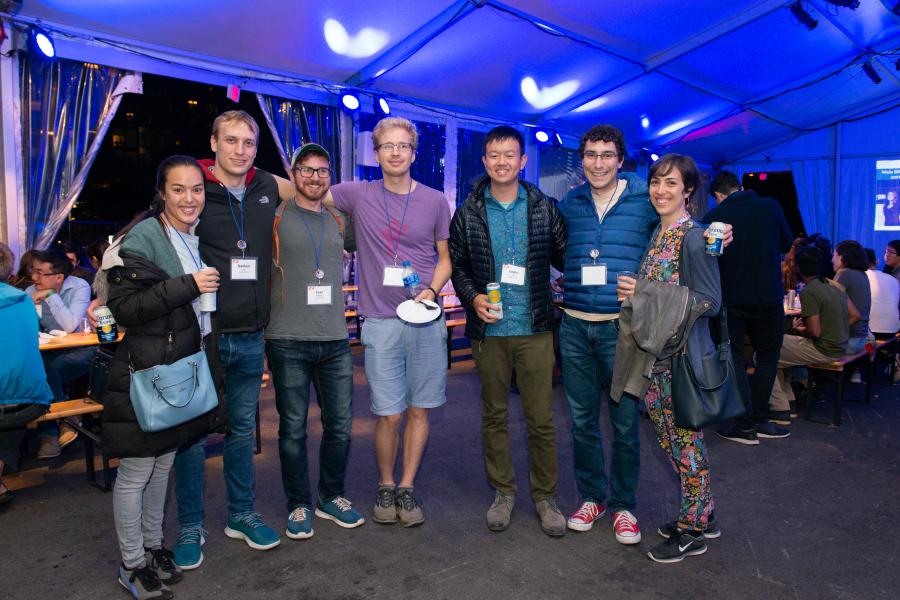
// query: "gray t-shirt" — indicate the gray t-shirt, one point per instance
point(292, 317)
point(857, 287)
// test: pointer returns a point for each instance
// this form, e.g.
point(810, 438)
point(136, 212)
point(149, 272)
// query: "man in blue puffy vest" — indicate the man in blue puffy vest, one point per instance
point(609, 220)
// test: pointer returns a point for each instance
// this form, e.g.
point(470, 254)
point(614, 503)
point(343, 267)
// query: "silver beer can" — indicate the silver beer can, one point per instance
point(107, 330)
point(714, 235)
point(495, 304)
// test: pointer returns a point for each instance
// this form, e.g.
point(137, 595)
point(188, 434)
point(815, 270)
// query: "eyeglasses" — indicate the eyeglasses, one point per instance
point(890, 251)
point(402, 147)
point(592, 156)
point(322, 172)
point(42, 274)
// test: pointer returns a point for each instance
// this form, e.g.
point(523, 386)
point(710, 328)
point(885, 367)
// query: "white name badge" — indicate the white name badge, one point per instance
point(593, 274)
point(318, 294)
point(512, 275)
point(393, 277)
point(243, 268)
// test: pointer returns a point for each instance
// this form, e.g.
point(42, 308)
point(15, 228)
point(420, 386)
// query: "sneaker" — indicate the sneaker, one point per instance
point(49, 447)
point(856, 377)
point(793, 409)
point(500, 512)
point(733, 433)
point(553, 523)
point(161, 560)
point(711, 532)
point(143, 584)
point(408, 510)
point(299, 524)
point(626, 528)
point(677, 547)
point(584, 517)
point(251, 528)
point(187, 552)
point(67, 434)
point(341, 512)
point(385, 505)
point(767, 430)
point(780, 417)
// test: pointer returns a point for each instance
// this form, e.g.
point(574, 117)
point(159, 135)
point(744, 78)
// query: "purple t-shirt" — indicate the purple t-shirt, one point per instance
point(427, 222)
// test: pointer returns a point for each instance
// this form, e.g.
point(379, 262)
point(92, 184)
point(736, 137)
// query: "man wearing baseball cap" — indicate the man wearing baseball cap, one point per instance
point(307, 341)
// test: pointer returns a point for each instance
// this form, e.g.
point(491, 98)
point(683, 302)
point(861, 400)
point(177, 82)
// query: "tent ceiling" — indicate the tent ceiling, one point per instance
point(718, 79)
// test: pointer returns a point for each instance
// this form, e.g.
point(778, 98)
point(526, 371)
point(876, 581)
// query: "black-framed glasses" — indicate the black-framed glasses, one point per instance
point(591, 156)
point(322, 172)
point(389, 147)
point(42, 274)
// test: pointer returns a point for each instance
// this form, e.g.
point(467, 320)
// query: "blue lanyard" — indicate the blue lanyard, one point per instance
point(511, 231)
point(313, 240)
point(395, 241)
point(197, 263)
point(242, 241)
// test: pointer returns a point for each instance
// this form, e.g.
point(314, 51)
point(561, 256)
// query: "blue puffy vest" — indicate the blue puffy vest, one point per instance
point(621, 240)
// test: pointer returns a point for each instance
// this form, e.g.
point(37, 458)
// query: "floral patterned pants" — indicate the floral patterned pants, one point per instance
point(687, 452)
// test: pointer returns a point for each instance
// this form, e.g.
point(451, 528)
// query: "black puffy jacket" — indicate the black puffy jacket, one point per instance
point(473, 258)
point(154, 308)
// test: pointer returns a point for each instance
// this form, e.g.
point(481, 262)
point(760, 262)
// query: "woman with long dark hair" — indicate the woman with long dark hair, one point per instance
point(154, 287)
point(850, 264)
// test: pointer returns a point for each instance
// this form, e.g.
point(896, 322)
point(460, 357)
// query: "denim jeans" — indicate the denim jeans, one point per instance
point(764, 324)
point(241, 356)
point(62, 367)
point(328, 365)
point(588, 351)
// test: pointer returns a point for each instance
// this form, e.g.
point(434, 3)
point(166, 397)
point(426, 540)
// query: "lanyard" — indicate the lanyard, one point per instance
point(511, 231)
point(197, 262)
point(242, 241)
point(395, 241)
point(319, 273)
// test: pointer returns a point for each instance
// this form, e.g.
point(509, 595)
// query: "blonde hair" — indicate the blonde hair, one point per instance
point(235, 115)
point(391, 122)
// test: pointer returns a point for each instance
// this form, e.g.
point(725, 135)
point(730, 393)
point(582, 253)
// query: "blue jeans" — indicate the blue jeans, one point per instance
point(62, 367)
point(328, 365)
point(588, 351)
point(241, 356)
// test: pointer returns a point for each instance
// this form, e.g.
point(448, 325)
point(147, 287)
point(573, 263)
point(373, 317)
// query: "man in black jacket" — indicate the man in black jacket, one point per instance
point(753, 294)
point(507, 231)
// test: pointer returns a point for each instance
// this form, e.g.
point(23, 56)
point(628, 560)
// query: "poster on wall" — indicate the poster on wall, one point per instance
point(887, 195)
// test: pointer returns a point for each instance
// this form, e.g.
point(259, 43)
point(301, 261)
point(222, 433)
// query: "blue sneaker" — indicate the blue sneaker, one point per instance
point(341, 512)
point(299, 525)
point(250, 528)
point(188, 555)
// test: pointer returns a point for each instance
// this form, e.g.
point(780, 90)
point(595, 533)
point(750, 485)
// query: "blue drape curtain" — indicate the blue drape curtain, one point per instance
point(67, 107)
point(428, 167)
point(469, 167)
point(294, 123)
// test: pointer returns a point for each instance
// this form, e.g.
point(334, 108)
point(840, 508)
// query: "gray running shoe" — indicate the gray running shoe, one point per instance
point(162, 561)
point(385, 505)
point(553, 523)
point(143, 584)
point(500, 512)
point(408, 510)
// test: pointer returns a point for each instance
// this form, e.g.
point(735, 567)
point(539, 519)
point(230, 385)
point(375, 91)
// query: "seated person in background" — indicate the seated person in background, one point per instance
point(821, 332)
point(884, 321)
point(73, 253)
point(62, 302)
point(789, 276)
point(22, 277)
point(892, 259)
point(849, 261)
point(24, 393)
point(95, 252)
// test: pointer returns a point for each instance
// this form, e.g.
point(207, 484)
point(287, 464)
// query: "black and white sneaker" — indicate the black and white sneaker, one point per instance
point(780, 417)
point(677, 547)
point(734, 433)
point(711, 532)
point(143, 584)
point(770, 431)
point(162, 561)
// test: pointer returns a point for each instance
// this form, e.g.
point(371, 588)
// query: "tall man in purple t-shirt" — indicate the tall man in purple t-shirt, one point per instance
point(398, 219)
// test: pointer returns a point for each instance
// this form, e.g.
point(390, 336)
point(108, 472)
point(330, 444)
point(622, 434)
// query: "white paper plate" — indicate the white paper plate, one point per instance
point(414, 312)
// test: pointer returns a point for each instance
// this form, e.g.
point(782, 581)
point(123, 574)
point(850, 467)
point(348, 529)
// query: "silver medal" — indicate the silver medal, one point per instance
point(320, 274)
point(242, 245)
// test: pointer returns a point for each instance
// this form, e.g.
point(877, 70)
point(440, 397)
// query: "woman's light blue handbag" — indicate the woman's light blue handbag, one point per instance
point(165, 396)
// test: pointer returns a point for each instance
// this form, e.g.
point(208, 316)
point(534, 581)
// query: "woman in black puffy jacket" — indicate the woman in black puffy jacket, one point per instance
point(155, 281)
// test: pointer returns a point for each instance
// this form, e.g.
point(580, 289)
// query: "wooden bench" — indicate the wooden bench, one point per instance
point(76, 408)
point(836, 367)
point(451, 324)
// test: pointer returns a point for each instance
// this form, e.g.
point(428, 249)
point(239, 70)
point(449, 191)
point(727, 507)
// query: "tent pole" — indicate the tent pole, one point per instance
point(836, 195)
point(12, 188)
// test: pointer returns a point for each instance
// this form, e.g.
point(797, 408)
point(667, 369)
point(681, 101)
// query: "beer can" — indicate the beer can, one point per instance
point(714, 235)
point(208, 300)
point(107, 330)
point(494, 300)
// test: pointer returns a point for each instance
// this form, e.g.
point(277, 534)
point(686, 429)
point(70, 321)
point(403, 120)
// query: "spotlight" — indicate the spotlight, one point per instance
point(542, 136)
point(654, 156)
point(557, 140)
point(41, 40)
point(803, 17)
point(851, 4)
point(645, 122)
point(382, 108)
point(350, 102)
point(871, 73)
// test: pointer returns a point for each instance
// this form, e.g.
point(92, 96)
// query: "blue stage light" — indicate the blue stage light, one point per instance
point(542, 136)
point(645, 122)
point(350, 102)
point(382, 107)
point(654, 156)
point(43, 42)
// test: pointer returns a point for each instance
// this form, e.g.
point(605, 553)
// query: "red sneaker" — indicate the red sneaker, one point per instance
point(626, 528)
point(584, 517)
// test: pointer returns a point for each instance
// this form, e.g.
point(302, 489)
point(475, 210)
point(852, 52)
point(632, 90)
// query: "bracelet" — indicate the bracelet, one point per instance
point(433, 292)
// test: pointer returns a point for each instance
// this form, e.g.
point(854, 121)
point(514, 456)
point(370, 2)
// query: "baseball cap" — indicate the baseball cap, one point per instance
point(305, 149)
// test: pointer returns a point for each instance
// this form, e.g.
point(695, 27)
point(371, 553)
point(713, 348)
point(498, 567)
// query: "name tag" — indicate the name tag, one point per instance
point(393, 277)
point(593, 274)
point(243, 268)
point(512, 275)
point(318, 294)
